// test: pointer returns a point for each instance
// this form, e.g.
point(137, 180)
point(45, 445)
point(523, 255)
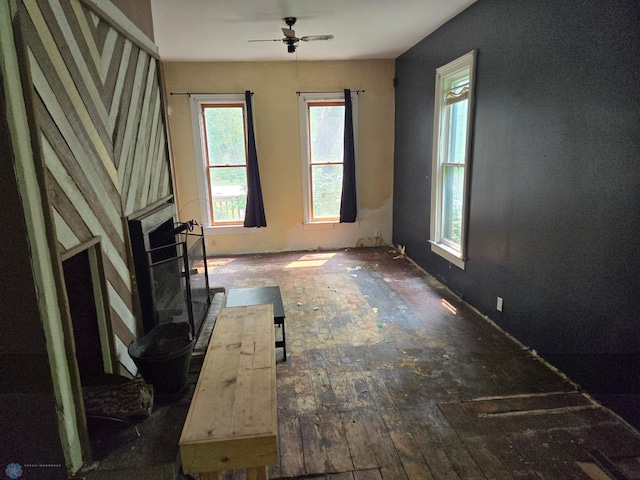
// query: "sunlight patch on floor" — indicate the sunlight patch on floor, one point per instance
point(311, 260)
point(213, 263)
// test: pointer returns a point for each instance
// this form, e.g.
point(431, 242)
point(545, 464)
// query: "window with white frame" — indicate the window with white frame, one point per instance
point(322, 119)
point(451, 158)
point(221, 154)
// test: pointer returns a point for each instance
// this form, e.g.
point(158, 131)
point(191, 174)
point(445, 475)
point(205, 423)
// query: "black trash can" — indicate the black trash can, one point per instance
point(163, 356)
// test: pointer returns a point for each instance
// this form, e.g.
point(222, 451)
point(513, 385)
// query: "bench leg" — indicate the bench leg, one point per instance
point(257, 473)
point(284, 342)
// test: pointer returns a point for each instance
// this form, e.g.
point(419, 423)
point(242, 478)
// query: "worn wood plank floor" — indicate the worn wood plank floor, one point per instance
point(389, 376)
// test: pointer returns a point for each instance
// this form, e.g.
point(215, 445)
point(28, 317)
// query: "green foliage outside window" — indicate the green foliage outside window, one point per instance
point(227, 160)
point(326, 133)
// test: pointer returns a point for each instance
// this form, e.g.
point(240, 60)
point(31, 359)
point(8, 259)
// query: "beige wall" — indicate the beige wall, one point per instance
point(278, 142)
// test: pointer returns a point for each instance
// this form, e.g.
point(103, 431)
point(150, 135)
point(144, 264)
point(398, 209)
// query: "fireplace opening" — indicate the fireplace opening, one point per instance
point(179, 279)
point(171, 269)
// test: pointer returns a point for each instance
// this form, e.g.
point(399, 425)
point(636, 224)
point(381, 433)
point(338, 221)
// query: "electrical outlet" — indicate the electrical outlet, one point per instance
point(499, 304)
point(378, 233)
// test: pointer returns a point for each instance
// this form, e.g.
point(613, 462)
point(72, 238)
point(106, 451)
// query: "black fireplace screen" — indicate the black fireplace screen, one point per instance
point(179, 278)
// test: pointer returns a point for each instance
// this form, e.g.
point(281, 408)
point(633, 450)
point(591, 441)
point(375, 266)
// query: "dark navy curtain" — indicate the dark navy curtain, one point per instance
point(254, 215)
point(348, 209)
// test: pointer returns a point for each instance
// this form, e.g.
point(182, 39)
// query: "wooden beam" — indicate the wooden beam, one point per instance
point(119, 21)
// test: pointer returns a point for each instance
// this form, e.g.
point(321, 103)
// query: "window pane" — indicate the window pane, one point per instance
point(458, 131)
point(452, 197)
point(326, 181)
point(326, 130)
point(229, 193)
point(225, 135)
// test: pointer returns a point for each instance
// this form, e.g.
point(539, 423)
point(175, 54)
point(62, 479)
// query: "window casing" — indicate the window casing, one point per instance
point(451, 158)
point(221, 156)
point(322, 143)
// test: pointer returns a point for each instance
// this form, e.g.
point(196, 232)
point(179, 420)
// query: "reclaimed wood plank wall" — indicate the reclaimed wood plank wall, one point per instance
point(98, 106)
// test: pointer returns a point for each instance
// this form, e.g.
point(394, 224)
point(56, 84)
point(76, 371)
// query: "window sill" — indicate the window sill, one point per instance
point(230, 230)
point(448, 254)
point(330, 225)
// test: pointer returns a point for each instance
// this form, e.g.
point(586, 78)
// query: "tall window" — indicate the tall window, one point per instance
point(222, 145)
point(322, 132)
point(452, 133)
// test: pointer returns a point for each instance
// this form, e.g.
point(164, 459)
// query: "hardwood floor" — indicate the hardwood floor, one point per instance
point(389, 376)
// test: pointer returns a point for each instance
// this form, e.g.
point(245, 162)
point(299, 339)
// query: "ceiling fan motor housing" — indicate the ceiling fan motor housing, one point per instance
point(292, 42)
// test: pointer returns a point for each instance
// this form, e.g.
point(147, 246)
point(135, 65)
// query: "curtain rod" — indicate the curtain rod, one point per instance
point(242, 93)
point(207, 93)
point(339, 91)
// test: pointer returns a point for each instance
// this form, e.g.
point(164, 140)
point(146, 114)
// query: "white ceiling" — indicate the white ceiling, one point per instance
point(219, 30)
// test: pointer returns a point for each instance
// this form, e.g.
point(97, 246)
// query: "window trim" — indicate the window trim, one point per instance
point(200, 156)
point(438, 246)
point(303, 100)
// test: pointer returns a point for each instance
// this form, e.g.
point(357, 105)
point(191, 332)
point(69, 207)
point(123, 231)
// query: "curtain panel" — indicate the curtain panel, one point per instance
point(348, 207)
point(254, 214)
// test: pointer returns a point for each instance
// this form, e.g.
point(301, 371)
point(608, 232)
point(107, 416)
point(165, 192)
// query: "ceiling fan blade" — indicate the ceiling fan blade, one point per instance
point(312, 38)
point(272, 40)
point(289, 33)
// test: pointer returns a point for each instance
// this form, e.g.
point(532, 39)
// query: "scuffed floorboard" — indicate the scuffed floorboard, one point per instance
point(390, 376)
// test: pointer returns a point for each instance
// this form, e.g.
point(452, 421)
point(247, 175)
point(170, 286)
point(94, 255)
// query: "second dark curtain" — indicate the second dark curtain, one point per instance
point(254, 214)
point(348, 207)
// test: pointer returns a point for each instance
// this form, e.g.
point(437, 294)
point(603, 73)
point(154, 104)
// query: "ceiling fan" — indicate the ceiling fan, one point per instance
point(290, 38)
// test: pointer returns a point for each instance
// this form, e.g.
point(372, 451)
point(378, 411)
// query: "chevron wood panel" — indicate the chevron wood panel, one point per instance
point(99, 108)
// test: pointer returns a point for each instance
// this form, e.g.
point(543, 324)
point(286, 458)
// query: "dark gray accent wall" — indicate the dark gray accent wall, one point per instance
point(554, 221)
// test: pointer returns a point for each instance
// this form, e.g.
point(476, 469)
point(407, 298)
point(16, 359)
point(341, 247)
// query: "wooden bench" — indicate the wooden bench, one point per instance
point(232, 420)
